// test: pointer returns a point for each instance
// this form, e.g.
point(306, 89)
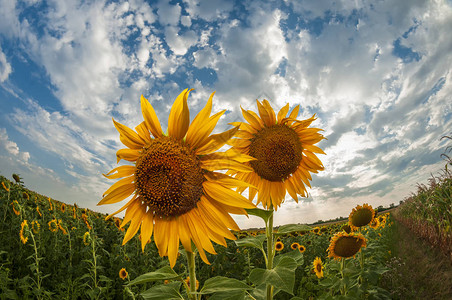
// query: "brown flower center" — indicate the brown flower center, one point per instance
point(347, 246)
point(361, 217)
point(318, 267)
point(278, 152)
point(169, 177)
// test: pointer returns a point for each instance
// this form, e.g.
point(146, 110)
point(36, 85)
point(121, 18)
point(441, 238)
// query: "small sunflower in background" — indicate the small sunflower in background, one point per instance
point(279, 246)
point(86, 238)
point(346, 227)
point(301, 248)
point(25, 195)
point(35, 226)
point(374, 224)
point(361, 216)
point(24, 232)
point(177, 195)
point(63, 207)
point(284, 152)
point(53, 225)
point(16, 207)
point(345, 245)
point(316, 230)
point(318, 267)
point(294, 246)
point(123, 274)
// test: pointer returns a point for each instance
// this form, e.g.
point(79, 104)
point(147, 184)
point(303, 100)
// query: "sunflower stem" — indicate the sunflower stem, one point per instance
point(192, 274)
point(270, 251)
point(343, 288)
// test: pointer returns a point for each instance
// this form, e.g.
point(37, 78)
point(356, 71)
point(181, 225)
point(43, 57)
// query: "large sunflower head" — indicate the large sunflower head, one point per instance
point(361, 216)
point(284, 152)
point(177, 195)
point(345, 245)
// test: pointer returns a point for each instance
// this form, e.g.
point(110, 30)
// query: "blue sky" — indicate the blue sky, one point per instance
point(376, 73)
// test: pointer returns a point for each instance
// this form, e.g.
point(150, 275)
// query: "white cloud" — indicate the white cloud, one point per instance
point(12, 148)
point(168, 14)
point(209, 10)
point(5, 67)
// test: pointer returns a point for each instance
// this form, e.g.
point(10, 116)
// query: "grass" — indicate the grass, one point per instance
point(417, 270)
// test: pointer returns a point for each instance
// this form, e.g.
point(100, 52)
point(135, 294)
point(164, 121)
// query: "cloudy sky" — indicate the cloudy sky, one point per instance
point(376, 73)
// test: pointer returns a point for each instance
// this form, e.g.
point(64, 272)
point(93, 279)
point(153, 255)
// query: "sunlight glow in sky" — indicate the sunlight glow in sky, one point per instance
point(376, 73)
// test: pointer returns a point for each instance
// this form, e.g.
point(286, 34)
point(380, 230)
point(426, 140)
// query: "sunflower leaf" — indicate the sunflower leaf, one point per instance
point(168, 291)
point(281, 277)
point(233, 295)
point(223, 284)
point(255, 242)
point(289, 228)
point(261, 213)
point(161, 274)
point(296, 255)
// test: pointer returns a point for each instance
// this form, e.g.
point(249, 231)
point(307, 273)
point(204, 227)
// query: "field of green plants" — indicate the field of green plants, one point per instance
point(52, 250)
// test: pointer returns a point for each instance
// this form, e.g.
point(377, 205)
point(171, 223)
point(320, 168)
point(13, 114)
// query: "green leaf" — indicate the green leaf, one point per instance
point(295, 254)
point(289, 228)
point(261, 213)
point(168, 291)
point(161, 274)
point(281, 277)
point(233, 295)
point(223, 284)
point(252, 241)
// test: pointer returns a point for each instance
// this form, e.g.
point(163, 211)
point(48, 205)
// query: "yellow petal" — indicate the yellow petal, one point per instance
point(270, 111)
point(143, 132)
point(146, 228)
point(135, 224)
point(161, 235)
point(173, 242)
point(150, 118)
point(230, 154)
point(122, 208)
point(313, 149)
point(191, 227)
point(215, 224)
point(127, 154)
point(283, 113)
point(119, 183)
point(179, 117)
point(184, 234)
point(225, 180)
point(119, 172)
point(223, 216)
point(198, 226)
point(291, 189)
point(225, 195)
point(129, 137)
point(225, 164)
point(294, 112)
point(130, 212)
point(216, 141)
point(118, 194)
point(254, 122)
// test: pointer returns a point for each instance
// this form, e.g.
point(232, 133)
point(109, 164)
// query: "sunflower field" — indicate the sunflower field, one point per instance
point(53, 250)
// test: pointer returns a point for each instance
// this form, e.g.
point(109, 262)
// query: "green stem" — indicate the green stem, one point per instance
point(93, 244)
point(343, 288)
point(270, 251)
point(192, 274)
point(38, 277)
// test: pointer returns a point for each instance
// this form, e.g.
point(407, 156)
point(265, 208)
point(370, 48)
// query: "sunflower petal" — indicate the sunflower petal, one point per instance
point(122, 208)
point(225, 180)
point(179, 117)
point(223, 216)
point(129, 137)
point(150, 118)
point(270, 111)
point(225, 195)
point(119, 183)
point(147, 228)
point(127, 154)
point(161, 235)
point(283, 112)
point(118, 194)
point(216, 141)
point(120, 171)
point(173, 242)
point(252, 120)
point(225, 164)
point(135, 224)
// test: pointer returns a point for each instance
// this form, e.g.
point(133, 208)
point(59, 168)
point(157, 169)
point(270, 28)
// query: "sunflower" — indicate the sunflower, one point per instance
point(283, 148)
point(301, 248)
point(177, 195)
point(318, 267)
point(279, 246)
point(35, 226)
point(294, 246)
point(346, 227)
point(123, 274)
point(4, 186)
point(61, 227)
point(361, 216)
point(53, 225)
point(39, 212)
point(14, 204)
point(344, 245)
point(374, 224)
point(25, 195)
point(63, 207)
point(24, 229)
point(86, 238)
point(316, 230)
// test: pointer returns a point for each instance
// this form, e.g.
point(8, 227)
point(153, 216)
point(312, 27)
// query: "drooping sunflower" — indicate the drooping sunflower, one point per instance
point(123, 274)
point(301, 248)
point(86, 238)
point(176, 193)
point(345, 245)
point(16, 207)
point(53, 225)
point(4, 186)
point(279, 246)
point(35, 226)
point(361, 216)
point(23, 232)
point(284, 152)
point(318, 267)
point(187, 281)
